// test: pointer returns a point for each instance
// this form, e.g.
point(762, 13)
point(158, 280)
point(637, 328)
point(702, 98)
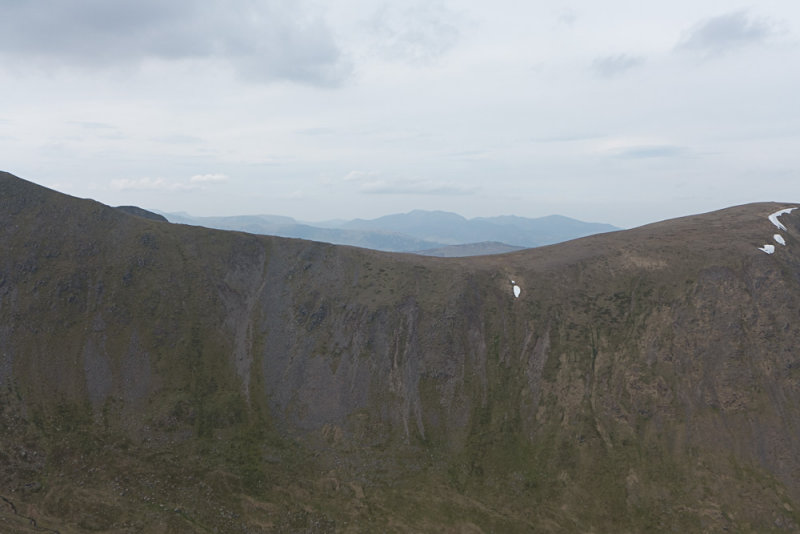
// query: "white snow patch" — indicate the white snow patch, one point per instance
point(774, 218)
point(769, 249)
point(516, 291)
point(779, 239)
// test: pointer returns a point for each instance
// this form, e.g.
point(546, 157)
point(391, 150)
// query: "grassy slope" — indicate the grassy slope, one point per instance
point(169, 378)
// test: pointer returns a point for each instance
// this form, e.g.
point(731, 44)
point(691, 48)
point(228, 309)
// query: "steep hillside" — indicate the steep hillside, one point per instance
point(139, 212)
point(165, 378)
point(288, 227)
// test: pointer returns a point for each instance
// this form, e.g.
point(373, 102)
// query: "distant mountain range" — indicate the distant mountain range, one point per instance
point(425, 232)
point(484, 248)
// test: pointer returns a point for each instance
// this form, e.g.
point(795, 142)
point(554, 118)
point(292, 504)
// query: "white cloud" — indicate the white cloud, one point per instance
point(208, 178)
point(360, 176)
point(147, 184)
point(376, 183)
point(93, 125)
point(418, 32)
point(178, 139)
point(197, 181)
point(416, 187)
point(652, 151)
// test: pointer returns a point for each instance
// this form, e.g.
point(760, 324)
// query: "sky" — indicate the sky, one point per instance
point(620, 112)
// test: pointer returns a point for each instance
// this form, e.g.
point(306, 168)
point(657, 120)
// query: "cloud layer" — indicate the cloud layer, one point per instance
point(196, 182)
point(358, 108)
point(417, 32)
point(264, 41)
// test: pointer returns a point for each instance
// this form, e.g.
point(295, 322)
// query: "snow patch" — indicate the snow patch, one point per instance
point(774, 218)
point(779, 239)
point(769, 249)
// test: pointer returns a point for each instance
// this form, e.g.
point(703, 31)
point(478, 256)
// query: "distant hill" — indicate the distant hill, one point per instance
point(485, 248)
point(411, 232)
point(453, 229)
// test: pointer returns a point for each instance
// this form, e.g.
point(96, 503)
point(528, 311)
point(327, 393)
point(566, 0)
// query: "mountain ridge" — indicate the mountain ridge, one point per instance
point(164, 377)
point(414, 231)
point(484, 248)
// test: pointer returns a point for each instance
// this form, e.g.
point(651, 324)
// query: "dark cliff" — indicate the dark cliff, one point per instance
point(172, 378)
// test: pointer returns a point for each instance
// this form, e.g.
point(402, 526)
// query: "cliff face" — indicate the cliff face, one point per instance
point(163, 377)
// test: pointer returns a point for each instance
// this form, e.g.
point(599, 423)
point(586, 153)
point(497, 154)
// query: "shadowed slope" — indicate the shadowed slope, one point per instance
point(162, 377)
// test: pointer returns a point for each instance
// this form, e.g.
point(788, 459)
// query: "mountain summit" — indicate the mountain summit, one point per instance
point(159, 377)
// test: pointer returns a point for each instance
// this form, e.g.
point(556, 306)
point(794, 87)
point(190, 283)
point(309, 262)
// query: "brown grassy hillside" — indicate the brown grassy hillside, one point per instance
point(165, 378)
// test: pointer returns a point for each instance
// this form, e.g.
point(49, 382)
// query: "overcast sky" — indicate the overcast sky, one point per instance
point(616, 111)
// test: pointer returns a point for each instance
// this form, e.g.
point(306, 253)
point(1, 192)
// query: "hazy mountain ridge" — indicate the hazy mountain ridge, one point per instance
point(287, 227)
point(484, 248)
point(410, 232)
point(453, 229)
point(163, 377)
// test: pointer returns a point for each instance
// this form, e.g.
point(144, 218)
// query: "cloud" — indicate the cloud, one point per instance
point(568, 138)
point(567, 17)
point(374, 183)
point(615, 65)
point(98, 130)
point(360, 176)
point(149, 184)
point(417, 33)
point(178, 139)
point(198, 181)
point(316, 131)
point(723, 33)
point(415, 187)
point(208, 178)
point(470, 155)
point(263, 41)
point(651, 151)
point(89, 125)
